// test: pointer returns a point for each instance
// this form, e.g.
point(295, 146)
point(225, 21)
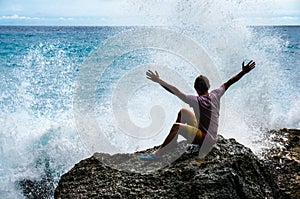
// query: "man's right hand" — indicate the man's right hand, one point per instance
point(153, 76)
point(247, 68)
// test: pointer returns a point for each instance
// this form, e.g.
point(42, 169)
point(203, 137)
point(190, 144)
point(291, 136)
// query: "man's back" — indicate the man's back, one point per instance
point(207, 108)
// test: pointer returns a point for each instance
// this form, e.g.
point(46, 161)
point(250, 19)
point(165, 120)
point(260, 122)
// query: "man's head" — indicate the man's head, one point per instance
point(201, 84)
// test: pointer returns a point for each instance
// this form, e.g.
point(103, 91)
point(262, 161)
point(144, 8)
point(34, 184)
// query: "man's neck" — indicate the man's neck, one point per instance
point(202, 92)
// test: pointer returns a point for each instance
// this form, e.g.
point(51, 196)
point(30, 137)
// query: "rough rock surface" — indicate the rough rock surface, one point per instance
point(230, 170)
point(283, 157)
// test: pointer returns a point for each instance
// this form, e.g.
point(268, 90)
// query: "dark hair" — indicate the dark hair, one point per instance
point(201, 83)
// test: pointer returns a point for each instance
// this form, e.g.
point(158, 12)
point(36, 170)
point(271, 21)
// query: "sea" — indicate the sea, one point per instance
point(46, 73)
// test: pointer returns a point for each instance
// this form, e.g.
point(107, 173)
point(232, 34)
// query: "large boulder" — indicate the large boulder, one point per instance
point(230, 170)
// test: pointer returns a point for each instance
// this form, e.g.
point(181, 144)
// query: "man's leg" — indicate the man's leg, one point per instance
point(189, 128)
point(186, 116)
point(190, 133)
point(185, 125)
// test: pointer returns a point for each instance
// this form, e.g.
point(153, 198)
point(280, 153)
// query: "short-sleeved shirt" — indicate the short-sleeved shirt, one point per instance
point(207, 108)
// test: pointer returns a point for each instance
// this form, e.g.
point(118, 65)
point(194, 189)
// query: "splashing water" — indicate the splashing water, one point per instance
point(264, 99)
point(38, 133)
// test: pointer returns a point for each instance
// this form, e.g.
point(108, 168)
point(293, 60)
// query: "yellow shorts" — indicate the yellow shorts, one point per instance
point(195, 135)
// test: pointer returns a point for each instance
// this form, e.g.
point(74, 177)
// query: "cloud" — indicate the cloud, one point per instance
point(131, 11)
point(17, 17)
point(275, 20)
point(65, 18)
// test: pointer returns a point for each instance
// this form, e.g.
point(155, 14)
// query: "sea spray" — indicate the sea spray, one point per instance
point(39, 68)
point(37, 134)
point(256, 102)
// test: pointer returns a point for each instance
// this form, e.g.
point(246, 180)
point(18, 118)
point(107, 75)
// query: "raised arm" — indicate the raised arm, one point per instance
point(245, 69)
point(172, 89)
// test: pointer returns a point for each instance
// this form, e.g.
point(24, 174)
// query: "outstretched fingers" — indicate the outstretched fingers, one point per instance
point(149, 73)
point(152, 76)
point(249, 66)
point(251, 63)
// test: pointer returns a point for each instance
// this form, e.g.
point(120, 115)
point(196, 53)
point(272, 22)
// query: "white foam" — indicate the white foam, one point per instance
point(252, 105)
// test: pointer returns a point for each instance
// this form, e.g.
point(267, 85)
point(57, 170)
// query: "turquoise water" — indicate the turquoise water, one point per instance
point(39, 66)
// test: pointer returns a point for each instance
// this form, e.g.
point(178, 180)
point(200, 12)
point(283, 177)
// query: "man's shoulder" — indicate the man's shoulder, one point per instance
point(192, 97)
point(192, 100)
point(218, 92)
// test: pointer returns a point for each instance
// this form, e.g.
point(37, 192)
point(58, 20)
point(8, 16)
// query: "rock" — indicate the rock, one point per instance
point(283, 158)
point(39, 189)
point(230, 170)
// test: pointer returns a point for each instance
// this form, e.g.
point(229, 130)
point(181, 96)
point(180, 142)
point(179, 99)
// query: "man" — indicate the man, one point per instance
point(204, 121)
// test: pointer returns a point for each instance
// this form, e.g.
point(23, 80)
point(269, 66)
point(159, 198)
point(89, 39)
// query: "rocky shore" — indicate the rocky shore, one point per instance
point(230, 170)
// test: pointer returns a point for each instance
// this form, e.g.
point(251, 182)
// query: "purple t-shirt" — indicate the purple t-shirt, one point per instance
point(207, 108)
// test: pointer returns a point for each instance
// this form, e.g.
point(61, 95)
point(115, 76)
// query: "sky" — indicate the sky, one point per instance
point(118, 12)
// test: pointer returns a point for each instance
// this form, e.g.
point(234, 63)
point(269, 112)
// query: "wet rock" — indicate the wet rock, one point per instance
point(39, 188)
point(283, 157)
point(230, 170)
